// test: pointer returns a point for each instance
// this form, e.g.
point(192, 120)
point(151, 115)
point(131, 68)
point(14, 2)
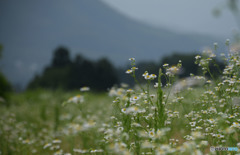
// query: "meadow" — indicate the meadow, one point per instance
point(182, 117)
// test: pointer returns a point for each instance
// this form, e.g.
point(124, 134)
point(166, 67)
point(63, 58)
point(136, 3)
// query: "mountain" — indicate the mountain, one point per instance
point(32, 30)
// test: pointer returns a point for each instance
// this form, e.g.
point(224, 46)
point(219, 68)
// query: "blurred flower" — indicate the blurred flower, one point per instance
point(84, 89)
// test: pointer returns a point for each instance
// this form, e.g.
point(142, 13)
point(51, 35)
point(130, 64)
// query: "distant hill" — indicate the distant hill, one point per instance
point(31, 30)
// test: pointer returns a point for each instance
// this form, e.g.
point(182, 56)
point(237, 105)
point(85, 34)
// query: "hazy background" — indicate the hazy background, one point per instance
point(117, 29)
point(188, 16)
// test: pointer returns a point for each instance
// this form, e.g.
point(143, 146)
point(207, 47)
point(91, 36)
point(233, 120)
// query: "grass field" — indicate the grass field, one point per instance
point(38, 117)
point(148, 119)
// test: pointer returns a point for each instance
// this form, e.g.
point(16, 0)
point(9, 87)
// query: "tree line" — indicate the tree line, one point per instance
point(68, 74)
point(5, 86)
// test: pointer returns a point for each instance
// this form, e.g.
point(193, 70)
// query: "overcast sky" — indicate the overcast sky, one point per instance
point(180, 15)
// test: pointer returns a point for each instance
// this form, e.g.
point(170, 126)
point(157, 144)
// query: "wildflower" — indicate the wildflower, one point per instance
point(59, 152)
point(153, 76)
point(80, 151)
point(84, 89)
point(147, 77)
point(209, 81)
point(132, 109)
point(76, 99)
point(124, 85)
point(124, 110)
point(47, 145)
point(136, 124)
point(229, 130)
point(129, 71)
point(27, 141)
point(236, 125)
point(211, 120)
point(172, 70)
point(212, 55)
point(134, 68)
point(88, 125)
point(135, 98)
point(204, 143)
point(198, 128)
point(192, 124)
point(147, 144)
point(152, 95)
point(197, 57)
point(165, 65)
point(132, 59)
point(196, 134)
point(56, 141)
point(119, 129)
point(151, 133)
point(96, 151)
point(129, 91)
point(145, 74)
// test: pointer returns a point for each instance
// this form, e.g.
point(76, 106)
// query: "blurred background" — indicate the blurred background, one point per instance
point(69, 44)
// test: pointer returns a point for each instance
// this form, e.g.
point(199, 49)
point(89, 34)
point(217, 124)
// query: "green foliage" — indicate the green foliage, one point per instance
point(37, 116)
point(66, 74)
point(5, 87)
point(61, 57)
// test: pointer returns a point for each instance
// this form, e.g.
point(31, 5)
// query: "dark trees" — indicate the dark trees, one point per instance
point(67, 74)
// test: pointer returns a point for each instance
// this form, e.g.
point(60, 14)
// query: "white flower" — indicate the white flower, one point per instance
point(80, 151)
point(76, 99)
point(236, 125)
point(165, 65)
point(153, 76)
point(197, 57)
point(59, 152)
point(147, 144)
point(149, 77)
point(134, 68)
point(193, 124)
point(135, 98)
point(124, 110)
point(84, 89)
point(204, 142)
point(47, 145)
point(172, 70)
point(151, 133)
point(129, 71)
point(145, 74)
point(129, 91)
point(56, 141)
point(133, 109)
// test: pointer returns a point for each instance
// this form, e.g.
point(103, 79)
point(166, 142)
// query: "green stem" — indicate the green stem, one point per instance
point(135, 79)
point(160, 105)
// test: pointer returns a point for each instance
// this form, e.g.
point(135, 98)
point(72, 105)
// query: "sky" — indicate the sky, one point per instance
point(180, 15)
